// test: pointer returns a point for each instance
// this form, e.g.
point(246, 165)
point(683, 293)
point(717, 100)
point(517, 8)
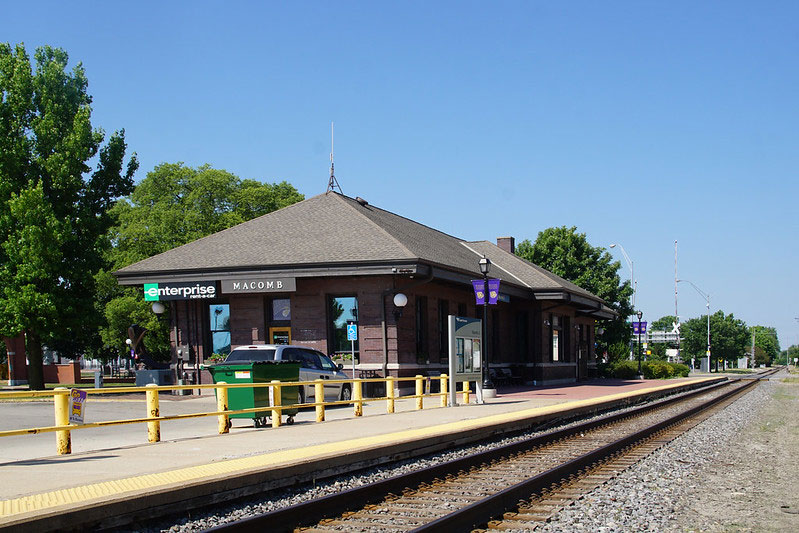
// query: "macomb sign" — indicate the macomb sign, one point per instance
point(154, 292)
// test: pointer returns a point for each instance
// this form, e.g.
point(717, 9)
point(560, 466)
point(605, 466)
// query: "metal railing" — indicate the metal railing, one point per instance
point(63, 428)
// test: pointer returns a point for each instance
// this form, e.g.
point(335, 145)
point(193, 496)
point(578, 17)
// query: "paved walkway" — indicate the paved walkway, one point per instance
point(51, 473)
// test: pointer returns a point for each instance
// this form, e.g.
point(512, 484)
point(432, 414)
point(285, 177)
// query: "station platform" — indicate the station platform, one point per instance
point(55, 492)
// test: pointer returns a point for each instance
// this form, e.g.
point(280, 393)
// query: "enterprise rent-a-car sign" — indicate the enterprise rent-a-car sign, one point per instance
point(154, 292)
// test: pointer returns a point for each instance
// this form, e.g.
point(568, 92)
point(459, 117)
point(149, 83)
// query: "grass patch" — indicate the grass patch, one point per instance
point(51, 386)
point(790, 380)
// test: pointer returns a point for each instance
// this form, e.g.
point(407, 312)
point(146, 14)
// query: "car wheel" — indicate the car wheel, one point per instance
point(346, 394)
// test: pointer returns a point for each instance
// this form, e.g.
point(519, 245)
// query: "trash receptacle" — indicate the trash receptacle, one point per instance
point(258, 372)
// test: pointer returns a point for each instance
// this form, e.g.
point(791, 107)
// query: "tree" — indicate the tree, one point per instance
point(173, 205)
point(568, 254)
point(53, 212)
point(766, 340)
point(664, 323)
point(791, 353)
point(729, 337)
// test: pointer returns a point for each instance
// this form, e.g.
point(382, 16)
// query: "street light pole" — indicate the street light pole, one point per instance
point(632, 281)
point(485, 266)
point(640, 314)
point(707, 299)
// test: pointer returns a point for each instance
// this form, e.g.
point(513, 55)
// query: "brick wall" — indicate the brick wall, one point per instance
point(250, 322)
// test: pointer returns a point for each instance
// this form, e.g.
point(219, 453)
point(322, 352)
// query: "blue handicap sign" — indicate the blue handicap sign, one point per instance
point(352, 332)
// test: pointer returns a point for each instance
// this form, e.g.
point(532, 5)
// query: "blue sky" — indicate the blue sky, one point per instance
point(640, 123)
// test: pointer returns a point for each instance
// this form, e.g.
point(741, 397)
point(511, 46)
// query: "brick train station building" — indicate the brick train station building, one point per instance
point(301, 273)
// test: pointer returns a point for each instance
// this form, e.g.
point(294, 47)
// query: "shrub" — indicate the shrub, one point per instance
point(656, 370)
point(624, 369)
point(680, 370)
point(650, 370)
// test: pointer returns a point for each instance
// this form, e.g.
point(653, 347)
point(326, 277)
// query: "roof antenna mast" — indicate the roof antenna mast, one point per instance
point(332, 184)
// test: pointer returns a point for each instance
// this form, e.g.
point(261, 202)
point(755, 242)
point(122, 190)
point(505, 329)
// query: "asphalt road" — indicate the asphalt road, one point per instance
point(32, 414)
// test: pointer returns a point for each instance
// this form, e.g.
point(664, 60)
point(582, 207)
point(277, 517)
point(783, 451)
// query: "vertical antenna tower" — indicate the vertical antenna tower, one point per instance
point(332, 183)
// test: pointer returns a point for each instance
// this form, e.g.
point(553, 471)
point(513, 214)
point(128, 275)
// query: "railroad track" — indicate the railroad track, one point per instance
point(512, 487)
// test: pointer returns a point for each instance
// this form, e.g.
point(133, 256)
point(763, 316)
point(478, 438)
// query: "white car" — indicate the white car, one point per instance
point(313, 365)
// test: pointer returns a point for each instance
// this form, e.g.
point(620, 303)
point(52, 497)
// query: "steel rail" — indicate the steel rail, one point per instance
point(481, 512)
point(310, 512)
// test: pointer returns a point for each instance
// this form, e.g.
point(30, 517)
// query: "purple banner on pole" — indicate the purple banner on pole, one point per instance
point(493, 291)
point(639, 328)
point(479, 291)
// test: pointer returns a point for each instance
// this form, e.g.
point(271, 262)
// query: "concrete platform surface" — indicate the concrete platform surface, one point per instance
point(39, 484)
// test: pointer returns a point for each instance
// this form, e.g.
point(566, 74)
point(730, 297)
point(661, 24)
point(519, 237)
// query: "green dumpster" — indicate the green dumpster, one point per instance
point(258, 372)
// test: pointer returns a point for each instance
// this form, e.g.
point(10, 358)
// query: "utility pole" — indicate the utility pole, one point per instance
point(676, 315)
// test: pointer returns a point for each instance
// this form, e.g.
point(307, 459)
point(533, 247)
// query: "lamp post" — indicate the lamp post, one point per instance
point(485, 266)
point(632, 281)
point(640, 314)
point(707, 300)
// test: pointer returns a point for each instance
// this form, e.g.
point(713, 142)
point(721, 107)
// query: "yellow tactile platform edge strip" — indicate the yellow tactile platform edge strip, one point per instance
point(110, 489)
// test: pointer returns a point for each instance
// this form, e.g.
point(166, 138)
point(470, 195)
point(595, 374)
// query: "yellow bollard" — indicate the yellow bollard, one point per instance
point(466, 392)
point(319, 399)
point(153, 426)
point(419, 392)
point(390, 394)
point(63, 439)
point(357, 396)
point(444, 382)
point(221, 405)
point(277, 401)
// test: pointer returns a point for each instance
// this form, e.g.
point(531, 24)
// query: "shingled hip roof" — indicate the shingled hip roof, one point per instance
point(334, 230)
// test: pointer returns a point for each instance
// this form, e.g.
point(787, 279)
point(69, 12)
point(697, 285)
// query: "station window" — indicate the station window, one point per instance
point(555, 328)
point(341, 310)
point(219, 315)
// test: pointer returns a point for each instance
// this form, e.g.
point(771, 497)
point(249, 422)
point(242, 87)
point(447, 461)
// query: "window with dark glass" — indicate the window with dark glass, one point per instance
point(341, 311)
point(219, 315)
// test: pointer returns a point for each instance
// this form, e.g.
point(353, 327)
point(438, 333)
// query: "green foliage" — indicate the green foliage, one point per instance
point(176, 204)
point(216, 358)
point(568, 254)
point(658, 351)
point(53, 212)
point(766, 340)
point(618, 351)
point(624, 369)
point(173, 205)
point(649, 369)
point(791, 353)
point(728, 337)
point(664, 323)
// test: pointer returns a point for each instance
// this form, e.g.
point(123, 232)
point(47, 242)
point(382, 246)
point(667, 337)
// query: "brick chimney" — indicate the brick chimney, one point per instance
point(507, 243)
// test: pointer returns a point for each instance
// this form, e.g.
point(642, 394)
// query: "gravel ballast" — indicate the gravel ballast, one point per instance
point(661, 492)
point(644, 498)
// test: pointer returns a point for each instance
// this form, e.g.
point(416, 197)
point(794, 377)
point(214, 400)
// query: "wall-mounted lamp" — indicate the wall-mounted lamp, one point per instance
point(600, 331)
point(400, 301)
point(128, 342)
point(547, 323)
point(158, 308)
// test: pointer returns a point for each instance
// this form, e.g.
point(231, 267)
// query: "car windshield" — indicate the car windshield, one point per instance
point(265, 354)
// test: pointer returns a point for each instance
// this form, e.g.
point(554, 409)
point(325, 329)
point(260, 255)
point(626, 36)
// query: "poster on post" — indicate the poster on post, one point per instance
point(77, 402)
